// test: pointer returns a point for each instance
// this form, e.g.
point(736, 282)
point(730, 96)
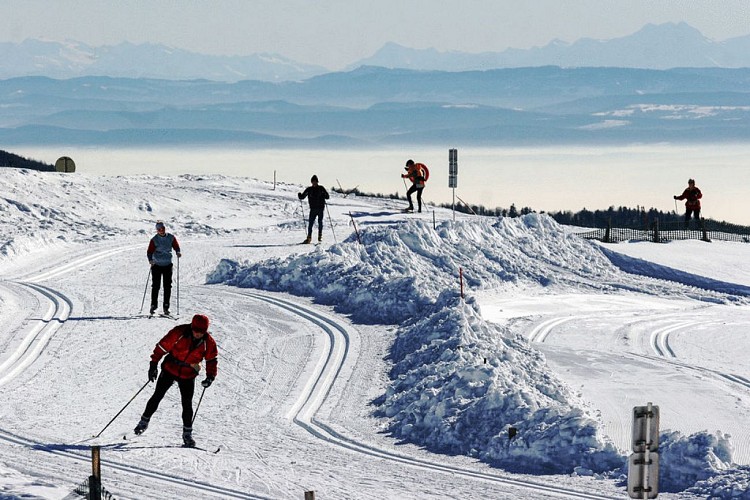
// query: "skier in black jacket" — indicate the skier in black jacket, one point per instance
point(316, 195)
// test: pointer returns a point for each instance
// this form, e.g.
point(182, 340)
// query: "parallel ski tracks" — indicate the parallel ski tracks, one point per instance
point(36, 339)
point(658, 343)
point(319, 386)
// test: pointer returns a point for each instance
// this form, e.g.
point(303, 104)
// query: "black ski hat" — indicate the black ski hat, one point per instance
point(314, 178)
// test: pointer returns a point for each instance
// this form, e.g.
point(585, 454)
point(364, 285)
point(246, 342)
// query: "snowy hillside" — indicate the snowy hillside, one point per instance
point(354, 368)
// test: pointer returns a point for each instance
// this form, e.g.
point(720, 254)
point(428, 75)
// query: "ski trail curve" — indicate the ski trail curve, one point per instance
point(34, 341)
point(317, 389)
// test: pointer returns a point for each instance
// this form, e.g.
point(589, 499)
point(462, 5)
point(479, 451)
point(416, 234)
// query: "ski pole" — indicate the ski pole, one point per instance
point(302, 205)
point(146, 289)
point(330, 221)
point(178, 286)
point(199, 405)
point(123, 409)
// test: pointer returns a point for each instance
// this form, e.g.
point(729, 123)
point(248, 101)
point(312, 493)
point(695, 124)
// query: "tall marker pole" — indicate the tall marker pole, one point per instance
point(453, 176)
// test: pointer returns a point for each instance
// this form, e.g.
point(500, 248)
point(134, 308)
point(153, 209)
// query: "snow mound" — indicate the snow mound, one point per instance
point(699, 462)
point(459, 383)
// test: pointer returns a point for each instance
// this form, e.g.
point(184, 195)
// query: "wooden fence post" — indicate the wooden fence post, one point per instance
point(309, 495)
point(608, 231)
point(703, 228)
point(95, 481)
point(656, 231)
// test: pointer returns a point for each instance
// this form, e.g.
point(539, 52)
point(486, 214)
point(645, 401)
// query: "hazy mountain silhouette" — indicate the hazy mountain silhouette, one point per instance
point(661, 46)
point(72, 59)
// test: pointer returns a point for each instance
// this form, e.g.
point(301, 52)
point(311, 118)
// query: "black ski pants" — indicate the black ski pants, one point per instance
point(696, 212)
point(418, 190)
point(157, 274)
point(187, 389)
point(315, 213)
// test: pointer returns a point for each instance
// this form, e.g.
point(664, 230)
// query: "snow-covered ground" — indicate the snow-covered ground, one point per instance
point(354, 368)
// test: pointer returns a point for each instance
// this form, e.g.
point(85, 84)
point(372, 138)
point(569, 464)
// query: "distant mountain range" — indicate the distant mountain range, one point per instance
point(374, 107)
point(662, 46)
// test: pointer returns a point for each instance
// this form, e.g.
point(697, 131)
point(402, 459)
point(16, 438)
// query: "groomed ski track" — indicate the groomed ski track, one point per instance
point(54, 310)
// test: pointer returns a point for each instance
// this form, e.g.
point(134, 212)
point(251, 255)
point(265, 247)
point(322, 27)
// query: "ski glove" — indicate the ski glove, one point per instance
point(207, 382)
point(153, 372)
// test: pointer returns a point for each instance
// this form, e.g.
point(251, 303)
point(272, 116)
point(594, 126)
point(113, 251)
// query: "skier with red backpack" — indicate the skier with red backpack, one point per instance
point(418, 174)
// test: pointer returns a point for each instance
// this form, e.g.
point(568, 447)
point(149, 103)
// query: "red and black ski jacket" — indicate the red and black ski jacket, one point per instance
point(693, 196)
point(184, 353)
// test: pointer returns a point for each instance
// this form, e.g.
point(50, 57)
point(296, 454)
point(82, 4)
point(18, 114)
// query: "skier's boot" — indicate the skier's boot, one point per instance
point(320, 237)
point(141, 427)
point(187, 437)
point(166, 311)
point(152, 310)
point(307, 240)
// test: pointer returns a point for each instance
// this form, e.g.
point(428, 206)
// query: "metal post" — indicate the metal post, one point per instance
point(309, 495)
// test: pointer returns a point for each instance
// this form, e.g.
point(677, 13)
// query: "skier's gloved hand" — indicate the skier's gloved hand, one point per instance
point(299, 195)
point(675, 197)
point(179, 254)
point(207, 382)
point(153, 372)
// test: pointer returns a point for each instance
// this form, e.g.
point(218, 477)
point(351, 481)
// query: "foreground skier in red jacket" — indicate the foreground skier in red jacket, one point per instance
point(185, 347)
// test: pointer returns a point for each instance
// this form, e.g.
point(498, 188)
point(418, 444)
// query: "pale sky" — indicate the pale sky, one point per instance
point(335, 33)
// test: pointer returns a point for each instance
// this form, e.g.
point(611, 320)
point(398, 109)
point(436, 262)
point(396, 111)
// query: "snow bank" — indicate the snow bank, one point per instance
point(459, 383)
point(683, 461)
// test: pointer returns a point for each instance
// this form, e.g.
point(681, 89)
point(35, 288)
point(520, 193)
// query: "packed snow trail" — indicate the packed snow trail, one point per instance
point(122, 464)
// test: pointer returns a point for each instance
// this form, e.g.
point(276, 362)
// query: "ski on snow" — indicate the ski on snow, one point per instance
point(161, 315)
point(130, 439)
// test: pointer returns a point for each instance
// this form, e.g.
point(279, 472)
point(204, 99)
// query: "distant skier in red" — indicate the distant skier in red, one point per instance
point(159, 255)
point(417, 174)
point(693, 196)
point(185, 347)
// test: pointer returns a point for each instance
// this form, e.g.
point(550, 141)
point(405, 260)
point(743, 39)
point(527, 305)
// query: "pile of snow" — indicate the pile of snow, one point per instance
point(683, 461)
point(459, 383)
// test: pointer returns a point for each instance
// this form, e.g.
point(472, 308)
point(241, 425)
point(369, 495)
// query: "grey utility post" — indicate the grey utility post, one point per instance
point(453, 175)
point(643, 466)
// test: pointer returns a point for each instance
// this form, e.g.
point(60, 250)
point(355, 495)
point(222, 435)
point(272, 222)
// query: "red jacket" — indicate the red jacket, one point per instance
point(416, 174)
point(184, 355)
point(693, 196)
